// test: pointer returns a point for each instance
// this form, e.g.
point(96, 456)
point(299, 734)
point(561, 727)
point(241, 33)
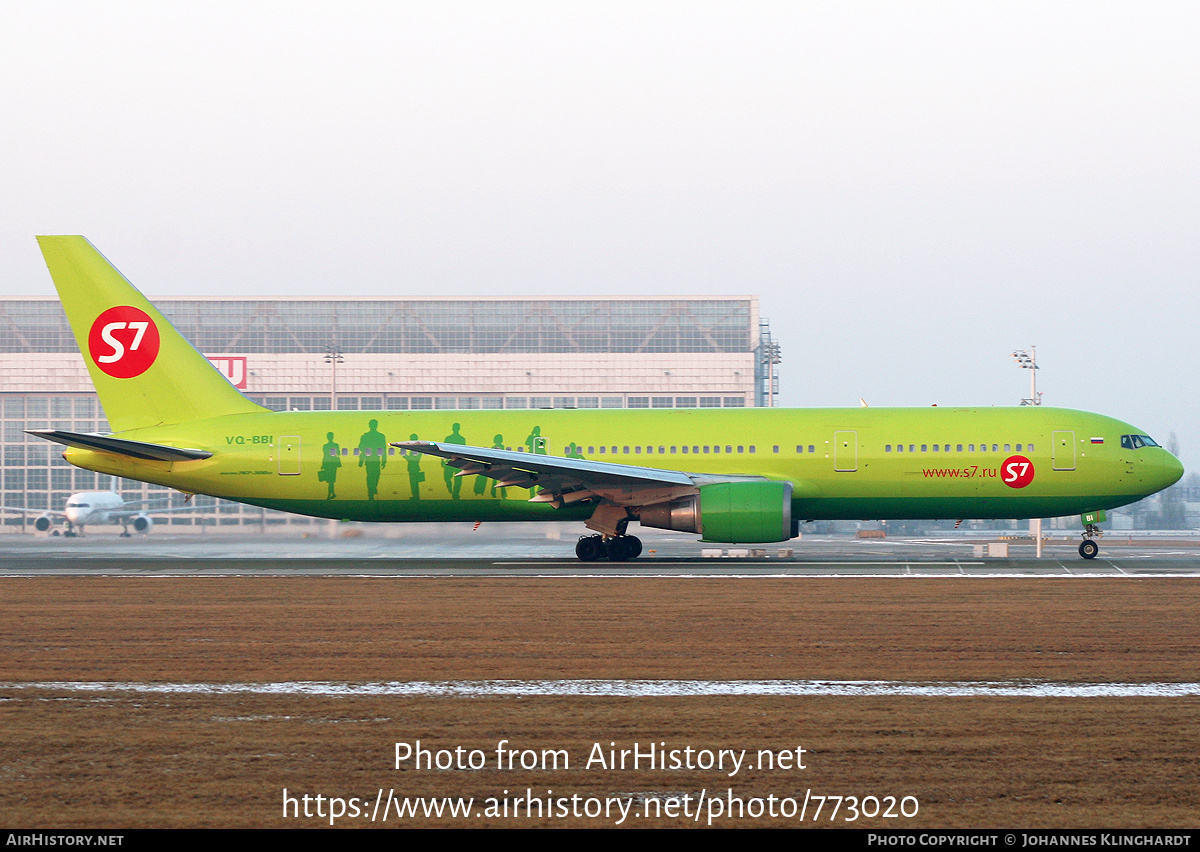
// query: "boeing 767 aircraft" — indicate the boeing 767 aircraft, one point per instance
point(729, 475)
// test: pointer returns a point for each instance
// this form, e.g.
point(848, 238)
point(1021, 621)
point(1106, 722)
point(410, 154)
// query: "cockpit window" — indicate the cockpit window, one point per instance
point(1133, 442)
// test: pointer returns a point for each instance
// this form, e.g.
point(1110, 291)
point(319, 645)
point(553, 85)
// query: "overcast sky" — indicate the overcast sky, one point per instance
point(914, 189)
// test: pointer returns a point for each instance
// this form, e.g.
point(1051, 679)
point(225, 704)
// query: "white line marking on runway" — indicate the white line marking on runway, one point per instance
point(641, 688)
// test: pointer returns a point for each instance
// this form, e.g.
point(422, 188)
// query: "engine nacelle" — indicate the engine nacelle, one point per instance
point(143, 523)
point(731, 512)
point(43, 523)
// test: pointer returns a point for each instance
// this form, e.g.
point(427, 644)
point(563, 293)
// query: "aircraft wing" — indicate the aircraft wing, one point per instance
point(20, 511)
point(132, 510)
point(561, 480)
point(532, 469)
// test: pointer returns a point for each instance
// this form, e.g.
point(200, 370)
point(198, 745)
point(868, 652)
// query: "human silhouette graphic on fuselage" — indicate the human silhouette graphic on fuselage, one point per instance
point(372, 454)
point(453, 483)
point(331, 460)
point(415, 475)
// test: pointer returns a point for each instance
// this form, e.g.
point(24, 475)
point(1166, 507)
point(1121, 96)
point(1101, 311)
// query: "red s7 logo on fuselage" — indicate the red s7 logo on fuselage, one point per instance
point(1016, 471)
point(123, 342)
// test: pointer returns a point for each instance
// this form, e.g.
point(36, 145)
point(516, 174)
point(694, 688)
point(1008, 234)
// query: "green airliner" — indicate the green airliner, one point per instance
point(737, 476)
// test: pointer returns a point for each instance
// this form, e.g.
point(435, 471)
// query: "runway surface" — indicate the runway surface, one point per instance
point(509, 552)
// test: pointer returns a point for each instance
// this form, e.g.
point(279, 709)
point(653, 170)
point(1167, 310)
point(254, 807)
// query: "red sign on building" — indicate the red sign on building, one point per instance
point(233, 368)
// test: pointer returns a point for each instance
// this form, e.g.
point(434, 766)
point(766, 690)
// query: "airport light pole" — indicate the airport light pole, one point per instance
point(1027, 360)
point(333, 357)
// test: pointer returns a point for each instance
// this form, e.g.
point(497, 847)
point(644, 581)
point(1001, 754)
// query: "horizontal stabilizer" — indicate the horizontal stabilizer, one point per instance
point(119, 446)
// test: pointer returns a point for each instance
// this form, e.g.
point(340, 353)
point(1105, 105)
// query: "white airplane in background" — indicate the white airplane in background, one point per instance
point(88, 508)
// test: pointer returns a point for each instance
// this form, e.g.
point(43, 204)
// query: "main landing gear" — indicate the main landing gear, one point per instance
point(617, 548)
point(1089, 548)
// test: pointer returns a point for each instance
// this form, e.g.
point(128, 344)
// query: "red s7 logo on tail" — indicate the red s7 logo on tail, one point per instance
point(123, 342)
point(1016, 471)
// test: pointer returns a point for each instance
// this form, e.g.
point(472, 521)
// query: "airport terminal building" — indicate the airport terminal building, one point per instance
point(385, 354)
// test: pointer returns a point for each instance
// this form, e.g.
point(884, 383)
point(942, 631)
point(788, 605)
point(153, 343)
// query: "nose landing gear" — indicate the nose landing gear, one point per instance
point(1089, 548)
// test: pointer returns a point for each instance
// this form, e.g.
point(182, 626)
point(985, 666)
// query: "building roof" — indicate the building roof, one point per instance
point(423, 325)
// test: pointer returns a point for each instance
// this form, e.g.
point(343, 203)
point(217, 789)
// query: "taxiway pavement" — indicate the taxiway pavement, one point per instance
point(428, 553)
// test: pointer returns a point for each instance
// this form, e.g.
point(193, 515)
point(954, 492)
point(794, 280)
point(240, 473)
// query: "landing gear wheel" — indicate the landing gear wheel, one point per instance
point(623, 547)
point(1088, 549)
point(590, 548)
point(635, 545)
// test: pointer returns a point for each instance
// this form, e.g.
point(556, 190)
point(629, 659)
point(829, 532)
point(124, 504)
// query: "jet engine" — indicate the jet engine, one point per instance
point(43, 523)
point(143, 523)
point(733, 512)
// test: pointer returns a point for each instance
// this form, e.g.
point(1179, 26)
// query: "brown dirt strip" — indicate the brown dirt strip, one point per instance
point(71, 759)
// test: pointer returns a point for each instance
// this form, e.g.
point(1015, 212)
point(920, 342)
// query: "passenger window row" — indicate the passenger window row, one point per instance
point(958, 448)
point(1127, 441)
point(695, 449)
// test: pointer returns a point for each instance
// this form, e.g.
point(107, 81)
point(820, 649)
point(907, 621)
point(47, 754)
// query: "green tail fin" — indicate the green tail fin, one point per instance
point(145, 372)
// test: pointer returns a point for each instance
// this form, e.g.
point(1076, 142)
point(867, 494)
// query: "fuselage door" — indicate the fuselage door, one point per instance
point(289, 455)
point(1062, 450)
point(845, 451)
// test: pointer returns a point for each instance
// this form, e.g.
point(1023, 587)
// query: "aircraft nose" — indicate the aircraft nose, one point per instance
point(1170, 471)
